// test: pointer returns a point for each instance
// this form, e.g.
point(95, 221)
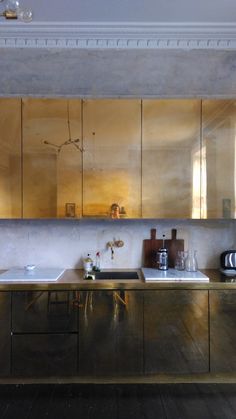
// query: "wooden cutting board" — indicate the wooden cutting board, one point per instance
point(152, 245)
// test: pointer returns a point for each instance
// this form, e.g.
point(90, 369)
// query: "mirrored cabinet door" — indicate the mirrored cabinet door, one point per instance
point(219, 158)
point(52, 158)
point(112, 158)
point(171, 159)
point(10, 158)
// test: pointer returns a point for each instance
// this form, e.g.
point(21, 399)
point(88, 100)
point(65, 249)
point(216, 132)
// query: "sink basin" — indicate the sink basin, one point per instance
point(116, 275)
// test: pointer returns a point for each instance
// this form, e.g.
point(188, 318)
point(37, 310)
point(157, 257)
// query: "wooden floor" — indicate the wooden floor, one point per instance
point(79, 401)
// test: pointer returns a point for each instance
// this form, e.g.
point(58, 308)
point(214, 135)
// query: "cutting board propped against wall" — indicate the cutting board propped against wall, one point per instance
point(152, 245)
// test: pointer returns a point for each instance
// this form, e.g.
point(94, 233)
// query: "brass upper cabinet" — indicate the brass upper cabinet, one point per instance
point(112, 158)
point(219, 158)
point(171, 158)
point(52, 158)
point(119, 158)
point(10, 158)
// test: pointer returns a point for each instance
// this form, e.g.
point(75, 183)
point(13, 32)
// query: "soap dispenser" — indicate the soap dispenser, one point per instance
point(88, 263)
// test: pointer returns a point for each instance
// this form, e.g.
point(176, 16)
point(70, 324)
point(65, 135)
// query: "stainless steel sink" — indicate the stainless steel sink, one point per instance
point(116, 275)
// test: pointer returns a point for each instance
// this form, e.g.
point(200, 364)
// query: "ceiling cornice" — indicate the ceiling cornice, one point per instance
point(117, 35)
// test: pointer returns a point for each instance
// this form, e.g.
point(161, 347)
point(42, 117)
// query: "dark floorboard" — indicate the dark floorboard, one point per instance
point(157, 401)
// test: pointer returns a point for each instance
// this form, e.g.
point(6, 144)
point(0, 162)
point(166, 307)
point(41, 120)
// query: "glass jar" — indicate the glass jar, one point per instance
point(180, 260)
point(191, 261)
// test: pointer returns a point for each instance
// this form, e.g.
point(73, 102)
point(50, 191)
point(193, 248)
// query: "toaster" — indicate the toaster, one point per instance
point(228, 259)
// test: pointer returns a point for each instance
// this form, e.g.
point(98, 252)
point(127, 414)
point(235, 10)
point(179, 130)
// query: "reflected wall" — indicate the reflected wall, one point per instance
point(10, 158)
point(170, 175)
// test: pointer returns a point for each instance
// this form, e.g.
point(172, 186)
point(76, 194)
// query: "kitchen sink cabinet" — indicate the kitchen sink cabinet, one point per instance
point(223, 331)
point(111, 333)
point(176, 332)
point(5, 333)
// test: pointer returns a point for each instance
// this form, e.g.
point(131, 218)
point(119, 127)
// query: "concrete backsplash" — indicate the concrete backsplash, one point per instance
point(63, 243)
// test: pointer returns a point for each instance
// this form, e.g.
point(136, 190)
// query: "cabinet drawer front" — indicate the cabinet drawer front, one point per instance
point(39, 311)
point(44, 355)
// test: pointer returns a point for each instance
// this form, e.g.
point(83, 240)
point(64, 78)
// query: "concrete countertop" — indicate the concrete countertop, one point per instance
point(72, 279)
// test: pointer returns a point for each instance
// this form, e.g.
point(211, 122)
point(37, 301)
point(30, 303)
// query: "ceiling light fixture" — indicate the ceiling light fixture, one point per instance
point(13, 10)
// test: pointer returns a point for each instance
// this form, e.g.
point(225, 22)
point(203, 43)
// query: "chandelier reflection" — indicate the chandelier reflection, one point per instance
point(13, 10)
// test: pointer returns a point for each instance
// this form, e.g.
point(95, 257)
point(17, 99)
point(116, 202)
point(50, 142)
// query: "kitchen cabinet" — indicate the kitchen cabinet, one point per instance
point(44, 333)
point(10, 158)
point(218, 158)
point(5, 333)
point(112, 157)
point(52, 158)
point(222, 331)
point(176, 332)
point(117, 158)
point(171, 152)
point(111, 333)
point(117, 333)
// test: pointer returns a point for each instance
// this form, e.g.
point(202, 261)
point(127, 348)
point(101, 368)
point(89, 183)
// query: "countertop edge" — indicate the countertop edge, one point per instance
point(72, 280)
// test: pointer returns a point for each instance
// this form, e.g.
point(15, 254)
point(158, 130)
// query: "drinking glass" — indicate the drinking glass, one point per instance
point(180, 260)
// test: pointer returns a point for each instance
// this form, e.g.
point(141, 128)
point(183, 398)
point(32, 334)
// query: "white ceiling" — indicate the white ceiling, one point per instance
point(155, 11)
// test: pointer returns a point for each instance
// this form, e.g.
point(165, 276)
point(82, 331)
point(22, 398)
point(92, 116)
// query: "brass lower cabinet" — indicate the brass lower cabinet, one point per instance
point(111, 333)
point(116, 333)
point(176, 331)
point(5, 333)
point(44, 355)
point(223, 331)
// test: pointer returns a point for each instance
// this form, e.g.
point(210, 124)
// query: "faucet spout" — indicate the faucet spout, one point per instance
point(114, 243)
point(111, 246)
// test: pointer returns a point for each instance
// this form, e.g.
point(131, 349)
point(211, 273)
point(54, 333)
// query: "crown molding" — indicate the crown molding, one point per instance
point(118, 35)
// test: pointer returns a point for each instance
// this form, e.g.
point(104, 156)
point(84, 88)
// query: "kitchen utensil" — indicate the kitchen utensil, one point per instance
point(151, 247)
point(162, 256)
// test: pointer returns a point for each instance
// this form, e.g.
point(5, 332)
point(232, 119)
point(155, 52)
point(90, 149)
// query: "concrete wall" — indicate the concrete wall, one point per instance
point(117, 73)
point(63, 243)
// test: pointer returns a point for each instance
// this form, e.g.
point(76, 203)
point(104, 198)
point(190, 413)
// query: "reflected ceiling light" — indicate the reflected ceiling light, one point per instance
point(75, 142)
point(13, 10)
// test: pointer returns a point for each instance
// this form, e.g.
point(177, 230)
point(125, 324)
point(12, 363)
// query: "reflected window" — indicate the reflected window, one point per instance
point(199, 200)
